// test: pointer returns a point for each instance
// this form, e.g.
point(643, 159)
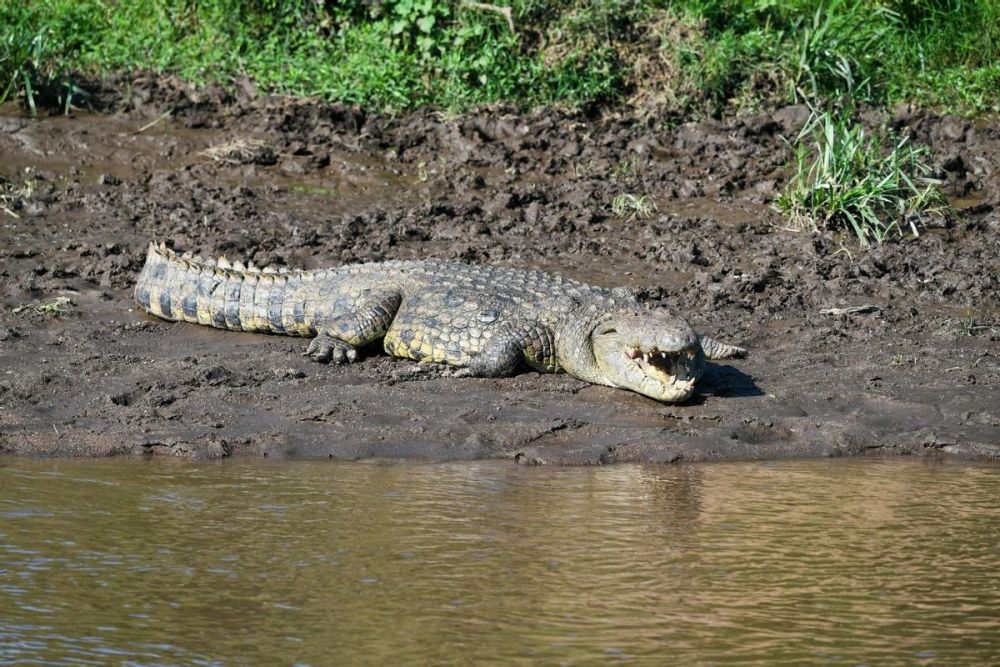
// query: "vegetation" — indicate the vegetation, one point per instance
point(13, 195)
point(681, 57)
point(702, 56)
point(633, 206)
point(54, 306)
point(842, 178)
point(969, 325)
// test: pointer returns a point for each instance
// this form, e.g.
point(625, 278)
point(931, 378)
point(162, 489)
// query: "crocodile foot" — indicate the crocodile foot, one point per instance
point(327, 349)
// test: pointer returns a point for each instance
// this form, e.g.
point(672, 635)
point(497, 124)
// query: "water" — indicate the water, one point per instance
point(250, 562)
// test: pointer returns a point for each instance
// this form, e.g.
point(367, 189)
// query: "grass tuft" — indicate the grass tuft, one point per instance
point(13, 195)
point(969, 325)
point(55, 306)
point(839, 50)
point(630, 206)
point(842, 178)
point(22, 55)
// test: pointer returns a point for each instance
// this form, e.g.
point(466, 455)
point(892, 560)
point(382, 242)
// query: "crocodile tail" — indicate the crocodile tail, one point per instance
point(716, 350)
point(216, 293)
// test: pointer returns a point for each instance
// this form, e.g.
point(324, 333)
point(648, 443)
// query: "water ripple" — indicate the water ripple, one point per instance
point(320, 563)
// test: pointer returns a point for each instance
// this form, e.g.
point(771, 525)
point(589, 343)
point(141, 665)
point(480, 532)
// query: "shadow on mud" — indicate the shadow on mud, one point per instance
point(725, 381)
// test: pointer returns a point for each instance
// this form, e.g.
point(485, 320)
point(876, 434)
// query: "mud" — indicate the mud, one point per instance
point(853, 352)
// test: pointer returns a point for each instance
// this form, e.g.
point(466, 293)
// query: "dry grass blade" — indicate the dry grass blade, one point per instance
point(238, 151)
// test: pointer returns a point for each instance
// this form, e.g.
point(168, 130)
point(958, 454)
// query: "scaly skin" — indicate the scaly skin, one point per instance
point(489, 321)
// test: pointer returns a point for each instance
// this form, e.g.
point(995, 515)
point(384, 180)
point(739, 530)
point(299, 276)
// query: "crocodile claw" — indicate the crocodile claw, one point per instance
point(326, 349)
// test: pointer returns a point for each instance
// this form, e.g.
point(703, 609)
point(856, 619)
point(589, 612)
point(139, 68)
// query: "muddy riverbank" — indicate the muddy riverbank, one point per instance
point(852, 352)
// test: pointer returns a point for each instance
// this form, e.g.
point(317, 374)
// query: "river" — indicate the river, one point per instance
point(146, 562)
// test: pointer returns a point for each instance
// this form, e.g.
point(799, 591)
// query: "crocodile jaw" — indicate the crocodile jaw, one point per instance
point(653, 354)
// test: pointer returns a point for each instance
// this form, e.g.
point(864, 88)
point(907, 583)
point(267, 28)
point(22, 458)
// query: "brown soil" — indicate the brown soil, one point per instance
point(298, 183)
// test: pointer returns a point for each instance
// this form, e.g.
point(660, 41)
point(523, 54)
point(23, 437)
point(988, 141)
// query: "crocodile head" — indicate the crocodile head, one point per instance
point(650, 352)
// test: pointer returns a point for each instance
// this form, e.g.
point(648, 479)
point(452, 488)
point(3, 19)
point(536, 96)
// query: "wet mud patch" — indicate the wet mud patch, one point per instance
point(893, 351)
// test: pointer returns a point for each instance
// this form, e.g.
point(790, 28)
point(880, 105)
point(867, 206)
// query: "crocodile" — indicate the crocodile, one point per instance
point(487, 321)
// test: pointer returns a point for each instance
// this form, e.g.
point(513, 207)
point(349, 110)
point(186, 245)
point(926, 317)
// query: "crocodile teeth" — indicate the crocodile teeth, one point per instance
point(238, 266)
point(224, 263)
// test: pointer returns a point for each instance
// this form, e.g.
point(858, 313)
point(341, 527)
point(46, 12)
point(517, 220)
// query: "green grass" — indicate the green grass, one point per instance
point(53, 306)
point(682, 56)
point(22, 52)
point(970, 325)
point(630, 206)
point(386, 56)
point(875, 186)
point(940, 53)
point(13, 195)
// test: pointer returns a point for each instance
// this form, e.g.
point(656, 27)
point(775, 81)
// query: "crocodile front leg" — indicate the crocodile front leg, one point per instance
point(341, 334)
point(508, 351)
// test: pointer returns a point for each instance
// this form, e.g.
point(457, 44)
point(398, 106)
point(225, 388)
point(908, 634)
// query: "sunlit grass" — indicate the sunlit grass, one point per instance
point(629, 206)
point(54, 306)
point(842, 177)
point(693, 56)
point(13, 195)
point(22, 55)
